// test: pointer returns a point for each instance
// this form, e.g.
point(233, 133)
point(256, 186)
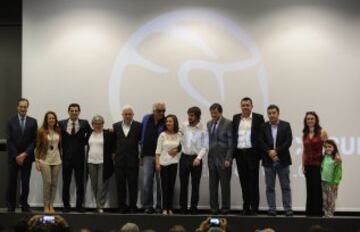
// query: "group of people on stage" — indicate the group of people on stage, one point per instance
point(161, 146)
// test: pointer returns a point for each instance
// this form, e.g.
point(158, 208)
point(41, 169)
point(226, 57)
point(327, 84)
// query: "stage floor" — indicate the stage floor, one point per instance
point(112, 221)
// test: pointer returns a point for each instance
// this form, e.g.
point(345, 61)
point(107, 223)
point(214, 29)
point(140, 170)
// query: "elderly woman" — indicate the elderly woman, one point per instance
point(100, 165)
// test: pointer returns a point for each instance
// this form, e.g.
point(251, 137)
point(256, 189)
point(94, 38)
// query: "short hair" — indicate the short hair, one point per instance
point(97, 118)
point(156, 104)
point(23, 99)
point(130, 227)
point(195, 110)
point(127, 107)
point(74, 105)
point(177, 228)
point(247, 99)
point(216, 106)
point(272, 106)
point(176, 122)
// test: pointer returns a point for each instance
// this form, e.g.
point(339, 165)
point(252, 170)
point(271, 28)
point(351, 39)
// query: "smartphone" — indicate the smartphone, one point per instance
point(47, 219)
point(214, 222)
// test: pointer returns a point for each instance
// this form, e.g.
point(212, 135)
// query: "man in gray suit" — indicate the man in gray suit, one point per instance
point(219, 158)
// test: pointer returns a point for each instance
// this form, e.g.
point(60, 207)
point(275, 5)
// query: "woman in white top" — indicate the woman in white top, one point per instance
point(167, 159)
point(100, 165)
point(48, 158)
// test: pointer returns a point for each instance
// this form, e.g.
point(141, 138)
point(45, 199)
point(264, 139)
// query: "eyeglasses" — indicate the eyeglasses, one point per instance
point(160, 111)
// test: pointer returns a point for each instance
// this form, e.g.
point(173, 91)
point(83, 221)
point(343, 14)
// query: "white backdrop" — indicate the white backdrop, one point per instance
point(105, 54)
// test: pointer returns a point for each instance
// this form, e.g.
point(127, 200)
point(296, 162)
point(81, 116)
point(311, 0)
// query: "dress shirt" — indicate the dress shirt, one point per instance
point(70, 126)
point(244, 133)
point(195, 140)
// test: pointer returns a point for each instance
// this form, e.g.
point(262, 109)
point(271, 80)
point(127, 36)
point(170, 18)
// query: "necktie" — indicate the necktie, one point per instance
point(73, 129)
point(22, 124)
point(213, 128)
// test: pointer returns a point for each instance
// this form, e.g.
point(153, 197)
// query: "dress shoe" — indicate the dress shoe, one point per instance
point(123, 210)
point(158, 210)
point(11, 209)
point(149, 211)
point(133, 210)
point(184, 211)
point(215, 211)
point(80, 209)
point(66, 209)
point(26, 209)
point(246, 212)
point(271, 213)
point(193, 211)
point(224, 211)
point(289, 213)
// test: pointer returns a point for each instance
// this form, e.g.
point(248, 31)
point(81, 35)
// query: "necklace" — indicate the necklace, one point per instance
point(51, 135)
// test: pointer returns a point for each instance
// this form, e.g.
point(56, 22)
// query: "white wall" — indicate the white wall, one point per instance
point(105, 54)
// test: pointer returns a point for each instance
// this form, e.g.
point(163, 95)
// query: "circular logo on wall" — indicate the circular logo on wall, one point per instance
point(190, 57)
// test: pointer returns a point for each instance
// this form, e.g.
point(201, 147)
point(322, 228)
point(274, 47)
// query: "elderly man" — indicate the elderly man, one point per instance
point(152, 126)
point(127, 141)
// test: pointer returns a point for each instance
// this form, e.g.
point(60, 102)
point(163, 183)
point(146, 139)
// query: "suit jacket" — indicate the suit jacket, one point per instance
point(74, 145)
point(221, 141)
point(127, 147)
point(283, 143)
point(107, 151)
point(256, 123)
point(19, 142)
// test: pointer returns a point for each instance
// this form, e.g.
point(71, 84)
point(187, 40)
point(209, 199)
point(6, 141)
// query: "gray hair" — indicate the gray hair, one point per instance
point(157, 104)
point(130, 227)
point(127, 107)
point(97, 118)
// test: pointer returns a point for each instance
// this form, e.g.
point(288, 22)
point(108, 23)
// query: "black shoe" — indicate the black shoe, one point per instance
point(25, 209)
point(224, 211)
point(184, 211)
point(215, 212)
point(271, 213)
point(289, 213)
point(149, 211)
point(123, 210)
point(158, 211)
point(246, 212)
point(193, 211)
point(66, 209)
point(80, 209)
point(11, 209)
point(253, 212)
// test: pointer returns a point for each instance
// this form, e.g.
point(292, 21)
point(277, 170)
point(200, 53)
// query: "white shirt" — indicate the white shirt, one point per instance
point(195, 140)
point(165, 143)
point(52, 156)
point(70, 126)
point(244, 133)
point(126, 128)
point(96, 148)
point(274, 129)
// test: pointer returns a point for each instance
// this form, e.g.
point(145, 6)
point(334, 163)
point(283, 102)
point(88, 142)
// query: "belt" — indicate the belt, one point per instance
point(189, 154)
point(245, 149)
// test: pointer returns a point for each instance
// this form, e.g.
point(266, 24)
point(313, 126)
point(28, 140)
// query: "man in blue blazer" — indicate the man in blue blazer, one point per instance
point(275, 140)
point(21, 136)
point(74, 132)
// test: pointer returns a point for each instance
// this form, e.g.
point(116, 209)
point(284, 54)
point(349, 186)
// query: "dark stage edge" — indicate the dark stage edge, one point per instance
point(161, 223)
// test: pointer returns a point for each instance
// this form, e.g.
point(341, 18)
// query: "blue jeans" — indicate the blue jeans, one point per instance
point(148, 184)
point(284, 179)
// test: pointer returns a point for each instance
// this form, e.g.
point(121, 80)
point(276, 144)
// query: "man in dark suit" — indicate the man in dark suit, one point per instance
point(21, 136)
point(219, 158)
point(74, 133)
point(275, 140)
point(246, 132)
point(127, 141)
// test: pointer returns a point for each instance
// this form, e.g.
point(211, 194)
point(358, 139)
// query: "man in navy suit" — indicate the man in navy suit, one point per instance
point(21, 136)
point(74, 132)
point(275, 140)
point(246, 133)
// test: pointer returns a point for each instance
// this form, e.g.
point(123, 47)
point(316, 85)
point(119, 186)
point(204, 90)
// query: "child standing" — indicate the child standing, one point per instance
point(331, 173)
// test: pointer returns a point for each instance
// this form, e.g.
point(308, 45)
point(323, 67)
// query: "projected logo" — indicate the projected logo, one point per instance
point(132, 63)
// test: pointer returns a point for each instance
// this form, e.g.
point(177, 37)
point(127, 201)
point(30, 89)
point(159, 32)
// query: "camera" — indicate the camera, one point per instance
point(47, 219)
point(214, 222)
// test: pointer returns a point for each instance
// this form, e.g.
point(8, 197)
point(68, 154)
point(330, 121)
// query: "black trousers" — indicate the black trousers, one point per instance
point(13, 172)
point(78, 167)
point(126, 178)
point(187, 169)
point(314, 202)
point(247, 162)
point(168, 178)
